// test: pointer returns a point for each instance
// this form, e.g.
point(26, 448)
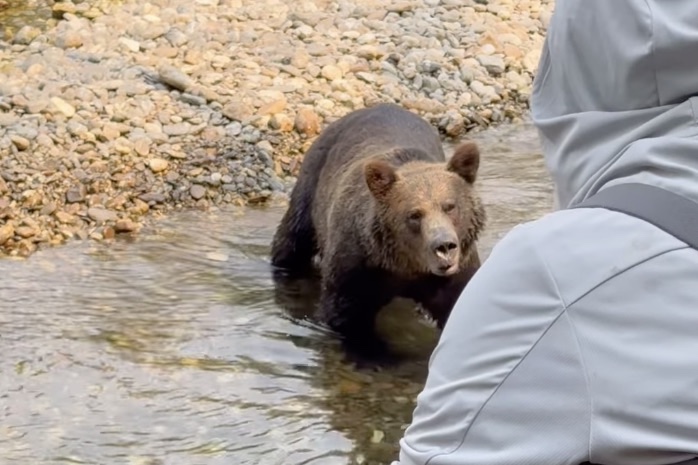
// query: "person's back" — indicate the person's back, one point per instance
point(575, 342)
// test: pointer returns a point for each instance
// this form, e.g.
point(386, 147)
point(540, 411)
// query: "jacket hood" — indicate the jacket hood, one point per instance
point(613, 96)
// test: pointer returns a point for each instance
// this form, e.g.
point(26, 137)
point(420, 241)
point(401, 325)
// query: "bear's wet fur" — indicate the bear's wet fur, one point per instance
point(384, 214)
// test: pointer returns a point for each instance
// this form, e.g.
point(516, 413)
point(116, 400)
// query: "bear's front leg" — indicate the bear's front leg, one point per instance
point(440, 300)
point(351, 297)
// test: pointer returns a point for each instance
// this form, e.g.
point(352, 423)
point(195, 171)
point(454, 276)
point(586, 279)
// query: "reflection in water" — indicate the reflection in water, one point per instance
point(173, 349)
point(14, 14)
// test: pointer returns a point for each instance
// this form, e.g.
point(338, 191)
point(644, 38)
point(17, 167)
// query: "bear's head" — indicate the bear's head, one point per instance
point(427, 215)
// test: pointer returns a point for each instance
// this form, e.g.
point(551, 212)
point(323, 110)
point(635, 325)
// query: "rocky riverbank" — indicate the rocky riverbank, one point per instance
point(114, 111)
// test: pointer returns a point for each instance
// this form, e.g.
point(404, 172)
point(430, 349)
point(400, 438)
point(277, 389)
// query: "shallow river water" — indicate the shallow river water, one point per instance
point(173, 349)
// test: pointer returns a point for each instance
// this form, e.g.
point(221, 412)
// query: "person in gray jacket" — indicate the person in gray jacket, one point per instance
point(577, 340)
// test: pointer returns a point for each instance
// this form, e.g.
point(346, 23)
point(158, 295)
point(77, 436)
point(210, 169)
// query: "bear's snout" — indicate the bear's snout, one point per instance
point(445, 252)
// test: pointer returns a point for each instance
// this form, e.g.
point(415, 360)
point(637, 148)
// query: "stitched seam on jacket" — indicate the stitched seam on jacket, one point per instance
point(652, 53)
point(629, 267)
point(587, 383)
point(570, 309)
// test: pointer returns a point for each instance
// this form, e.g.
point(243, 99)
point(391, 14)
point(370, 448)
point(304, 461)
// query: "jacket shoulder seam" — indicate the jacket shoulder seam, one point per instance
point(625, 270)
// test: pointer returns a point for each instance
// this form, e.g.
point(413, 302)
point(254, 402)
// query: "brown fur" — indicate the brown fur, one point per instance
point(374, 194)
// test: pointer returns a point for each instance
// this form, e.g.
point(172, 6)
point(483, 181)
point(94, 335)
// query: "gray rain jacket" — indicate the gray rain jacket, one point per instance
point(578, 338)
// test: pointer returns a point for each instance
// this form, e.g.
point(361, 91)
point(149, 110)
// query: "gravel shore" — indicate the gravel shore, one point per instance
point(114, 111)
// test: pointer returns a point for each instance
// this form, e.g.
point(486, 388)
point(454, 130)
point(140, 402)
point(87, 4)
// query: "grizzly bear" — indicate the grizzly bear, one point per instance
point(384, 215)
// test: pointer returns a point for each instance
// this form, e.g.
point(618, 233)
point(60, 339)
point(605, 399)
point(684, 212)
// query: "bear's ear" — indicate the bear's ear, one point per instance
point(465, 161)
point(380, 177)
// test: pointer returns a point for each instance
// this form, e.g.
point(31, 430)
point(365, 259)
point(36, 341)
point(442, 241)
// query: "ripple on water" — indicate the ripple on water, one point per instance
point(171, 349)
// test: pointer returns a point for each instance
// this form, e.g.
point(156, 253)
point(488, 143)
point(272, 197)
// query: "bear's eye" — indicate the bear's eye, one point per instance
point(448, 207)
point(414, 216)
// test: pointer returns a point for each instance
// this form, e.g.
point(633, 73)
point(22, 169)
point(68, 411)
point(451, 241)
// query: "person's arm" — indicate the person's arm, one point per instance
point(506, 384)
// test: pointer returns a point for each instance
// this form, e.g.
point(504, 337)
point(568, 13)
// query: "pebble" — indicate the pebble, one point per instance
point(157, 165)
point(125, 226)
point(63, 106)
point(20, 142)
point(65, 218)
point(26, 35)
point(76, 194)
point(59, 10)
point(174, 77)
point(112, 111)
point(307, 122)
point(101, 215)
point(331, 72)
point(69, 39)
point(8, 119)
point(492, 63)
point(197, 191)
point(130, 44)
point(7, 231)
point(281, 122)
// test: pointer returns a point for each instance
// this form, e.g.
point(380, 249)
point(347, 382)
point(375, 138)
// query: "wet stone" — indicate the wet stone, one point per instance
point(125, 226)
point(26, 35)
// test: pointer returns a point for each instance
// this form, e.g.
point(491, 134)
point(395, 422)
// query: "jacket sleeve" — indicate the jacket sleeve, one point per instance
point(506, 383)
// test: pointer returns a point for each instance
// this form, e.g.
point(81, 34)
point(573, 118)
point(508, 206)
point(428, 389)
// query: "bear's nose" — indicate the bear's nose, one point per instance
point(443, 247)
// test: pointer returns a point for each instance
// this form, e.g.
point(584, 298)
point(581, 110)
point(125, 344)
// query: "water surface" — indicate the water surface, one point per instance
point(14, 14)
point(172, 349)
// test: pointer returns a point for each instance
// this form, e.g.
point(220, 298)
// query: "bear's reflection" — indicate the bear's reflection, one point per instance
point(369, 397)
point(406, 331)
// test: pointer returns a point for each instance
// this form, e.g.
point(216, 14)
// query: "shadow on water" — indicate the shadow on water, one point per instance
point(171, 349)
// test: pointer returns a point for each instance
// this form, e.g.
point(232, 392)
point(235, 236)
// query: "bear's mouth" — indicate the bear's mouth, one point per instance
point(446, 270)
